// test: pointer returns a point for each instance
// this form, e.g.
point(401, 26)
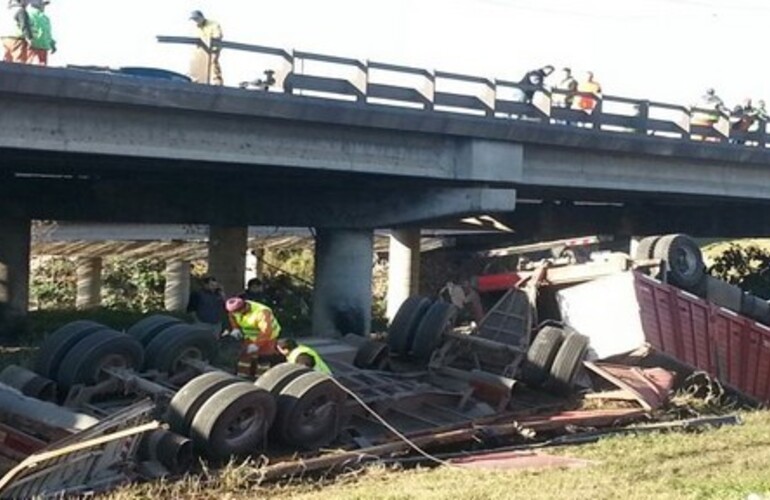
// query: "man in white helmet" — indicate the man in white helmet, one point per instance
point(210, 34)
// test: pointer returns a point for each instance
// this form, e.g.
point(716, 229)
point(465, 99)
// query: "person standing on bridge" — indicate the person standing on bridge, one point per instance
point(16, 32)
point(42, 35)
point(205, 67)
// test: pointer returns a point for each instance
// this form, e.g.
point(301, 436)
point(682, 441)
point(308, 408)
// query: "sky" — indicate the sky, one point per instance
point(663, 50)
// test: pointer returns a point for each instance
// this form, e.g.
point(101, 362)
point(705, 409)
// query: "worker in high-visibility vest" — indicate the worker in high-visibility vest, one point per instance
point(302, 355)
point(257, 328)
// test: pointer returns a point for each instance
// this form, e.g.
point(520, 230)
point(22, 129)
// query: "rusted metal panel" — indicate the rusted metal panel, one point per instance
point(519, 460)
point(650, 387)
point(708, 337)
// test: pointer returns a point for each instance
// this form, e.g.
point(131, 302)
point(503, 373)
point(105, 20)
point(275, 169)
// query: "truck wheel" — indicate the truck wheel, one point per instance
point(401, 331)
point(371, 355)
point(233, 421)
point(567, 363)
point(179, 342)
point(309, 411)
point(188, 400)
point(439, 318)
point(146, 329)
point(540, 356)
point(683, 258)
point(83, 364)
point(279, 376)
point(56, 346)
point(646, 248)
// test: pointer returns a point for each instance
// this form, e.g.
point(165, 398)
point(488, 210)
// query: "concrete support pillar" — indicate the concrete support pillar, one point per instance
point(342, 296)
point(89, 284)
point(227, 257)
point(403, 268)
point(177, 291)
point(15, 240)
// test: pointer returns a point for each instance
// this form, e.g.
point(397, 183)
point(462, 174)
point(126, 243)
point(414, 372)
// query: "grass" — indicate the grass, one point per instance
point(726, 463)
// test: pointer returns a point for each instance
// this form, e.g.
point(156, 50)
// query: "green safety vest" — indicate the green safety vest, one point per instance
point(257, 322)
point(42, 37)
point(320, 365)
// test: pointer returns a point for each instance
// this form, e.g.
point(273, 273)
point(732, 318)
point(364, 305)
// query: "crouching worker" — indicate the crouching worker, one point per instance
point(302, 355)
point(257, 328)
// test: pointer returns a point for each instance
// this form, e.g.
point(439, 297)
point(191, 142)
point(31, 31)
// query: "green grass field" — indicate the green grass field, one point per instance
point(726, 463)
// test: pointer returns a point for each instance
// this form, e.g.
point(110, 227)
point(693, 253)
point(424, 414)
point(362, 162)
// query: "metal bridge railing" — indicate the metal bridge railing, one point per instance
point(378, 83)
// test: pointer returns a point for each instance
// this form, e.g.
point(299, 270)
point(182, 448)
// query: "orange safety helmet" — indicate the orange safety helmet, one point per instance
point(235, 304)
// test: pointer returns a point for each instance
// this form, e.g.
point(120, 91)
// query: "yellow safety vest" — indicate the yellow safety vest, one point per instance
point(258, 322)
point(320, 364)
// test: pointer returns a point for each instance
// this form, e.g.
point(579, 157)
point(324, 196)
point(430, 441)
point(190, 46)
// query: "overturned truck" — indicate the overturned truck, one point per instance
point(447, 363)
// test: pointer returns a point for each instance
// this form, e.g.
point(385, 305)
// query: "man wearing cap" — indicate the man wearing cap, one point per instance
point(257, 327)
point(42, 37)
point(210, 34)
point(15, 31)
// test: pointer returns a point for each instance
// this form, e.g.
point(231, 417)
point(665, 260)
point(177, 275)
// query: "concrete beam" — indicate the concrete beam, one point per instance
point(89, 283)
point(227, 257)
point(573, 169)
point(177, 291)
point(47, 119)
point(403, 268)
point(15, 240)
point(295, 204)
point(342, 295)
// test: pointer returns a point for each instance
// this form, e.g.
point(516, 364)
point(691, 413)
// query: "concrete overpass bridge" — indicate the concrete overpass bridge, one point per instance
point(348, 155)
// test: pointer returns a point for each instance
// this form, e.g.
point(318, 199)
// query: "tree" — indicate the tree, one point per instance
point(745, 266)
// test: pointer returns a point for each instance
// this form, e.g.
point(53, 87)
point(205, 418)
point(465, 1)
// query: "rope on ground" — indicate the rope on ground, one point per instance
point(392, 429)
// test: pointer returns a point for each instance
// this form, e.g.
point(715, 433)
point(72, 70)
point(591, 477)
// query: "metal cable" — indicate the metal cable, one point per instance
point(392, 429)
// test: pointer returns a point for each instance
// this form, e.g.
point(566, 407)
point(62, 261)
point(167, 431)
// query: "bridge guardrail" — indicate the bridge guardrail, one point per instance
point(379, 83)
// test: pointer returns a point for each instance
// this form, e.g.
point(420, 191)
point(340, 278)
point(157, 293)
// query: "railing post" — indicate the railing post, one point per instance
point(642, 117)
point(761, 132)
point(597, 113)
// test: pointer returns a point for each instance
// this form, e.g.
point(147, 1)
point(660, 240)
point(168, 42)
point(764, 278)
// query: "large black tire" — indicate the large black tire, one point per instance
point(279, 376)
point(84, 362)
point(646, 248)
point(371, 355)
point(440, 317)
point(404, 326)
point(56, 346)
point(683, 258)
point(567, 364)
point(233, 422)
point(540, 356)
point(147, 328)
point(309, 411)
point(188, 400)
point(172, 345)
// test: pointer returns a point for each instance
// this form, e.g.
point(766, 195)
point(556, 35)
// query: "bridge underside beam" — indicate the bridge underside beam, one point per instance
point(545, 221)
point(263, 204)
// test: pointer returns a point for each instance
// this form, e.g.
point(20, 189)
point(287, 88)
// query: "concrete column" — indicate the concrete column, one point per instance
point(89, 283)
point(403, 268)
point(15, 240)
point(177, 291)
point(342, 296)
point(227, 257)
